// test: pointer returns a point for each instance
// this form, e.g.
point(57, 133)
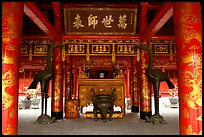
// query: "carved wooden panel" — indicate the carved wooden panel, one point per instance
point(72, 110)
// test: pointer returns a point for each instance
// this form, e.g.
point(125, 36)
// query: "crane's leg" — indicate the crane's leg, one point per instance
point(43, 96)
point(46, 96)
point(156, 118)
point(156, 86)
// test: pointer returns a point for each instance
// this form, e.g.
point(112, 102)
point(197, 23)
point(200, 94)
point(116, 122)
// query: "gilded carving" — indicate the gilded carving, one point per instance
point(189, 131)
point(13, 112)
point(35, 42)
point(100, 46)
point(40, 49)
point(88, 53)
point(8, 60)
point(185, 113)
point(30, 53)
point(10, 47)
point(7, 81)
point(185, 27)
point(57, 88)
point(55, 109)
point(115, 115)
point(120, 76)
point(24, 49)
point(155, 41)
point(113, 53)
point(192, 58)
point(161, 49)
point(194, 80)
point(199, 118)
point(138, 55)
point(82, 76)
point(57, 67)
point(192, 34)
point(171, 52)
point(100, 49)
point(9, 130)
point(11, 28)
point(125, 49)
point(57, 93)
point(72, 109)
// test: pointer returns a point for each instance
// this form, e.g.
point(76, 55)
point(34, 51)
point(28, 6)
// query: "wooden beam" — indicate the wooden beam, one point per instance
point(160, 19)
point(100, 5)
point(58, 21)
point(143, 17)
point(34, 13)
point(144, 7)
point(57, 8)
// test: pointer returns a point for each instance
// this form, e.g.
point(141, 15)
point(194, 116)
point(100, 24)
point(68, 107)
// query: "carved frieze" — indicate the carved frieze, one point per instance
point(100, 47)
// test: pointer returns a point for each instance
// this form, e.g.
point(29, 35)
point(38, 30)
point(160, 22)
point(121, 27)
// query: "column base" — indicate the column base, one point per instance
point(57, 115)
point(144, 114)
point(135, 109)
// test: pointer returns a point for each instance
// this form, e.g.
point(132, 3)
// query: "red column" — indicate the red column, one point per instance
point(12, 16)
point(135, 89)
point(68, 83)
point(188, 31)
point(75, 88)
point(57, 82)
point(145, 90)
point(128, 83)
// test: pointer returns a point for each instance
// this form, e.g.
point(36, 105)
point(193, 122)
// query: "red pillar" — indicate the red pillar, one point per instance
point(68, 84)
point(75, 88)
point(12, 16)
point(135, 89)
point(145, 88)
point(57, 85)
point(128, 83)
point(57, 82)
point(188, 31)
point(144, 82)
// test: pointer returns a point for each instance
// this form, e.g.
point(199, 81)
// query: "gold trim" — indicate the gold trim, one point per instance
point(160, 49)
point(115, 115)
point(30, 52)
point(87, 53)
point(113, 53)
point(63, 54)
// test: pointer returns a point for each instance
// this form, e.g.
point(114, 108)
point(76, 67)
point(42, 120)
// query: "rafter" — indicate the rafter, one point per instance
point(160, 19)
point(34, 13)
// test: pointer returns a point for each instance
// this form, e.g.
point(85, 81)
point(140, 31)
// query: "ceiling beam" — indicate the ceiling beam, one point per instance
point(144, 7)
point(159, 20)
point(57, 8)
point(58, 21)
point(143, 17)
point(34, 13)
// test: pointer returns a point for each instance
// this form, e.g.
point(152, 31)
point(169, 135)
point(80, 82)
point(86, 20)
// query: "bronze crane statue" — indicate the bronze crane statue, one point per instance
point(156, 76)
point(44, 76)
